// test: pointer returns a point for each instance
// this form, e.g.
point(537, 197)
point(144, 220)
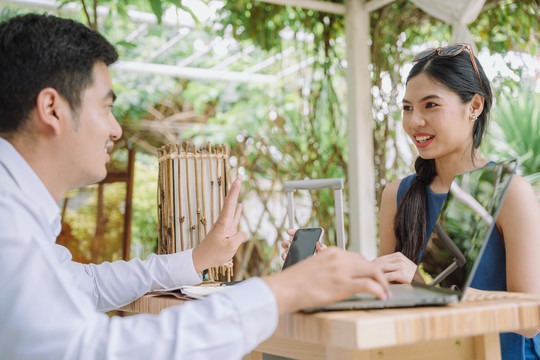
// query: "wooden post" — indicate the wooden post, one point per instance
point(181, 220)
point(198, 185)
point(126, 241)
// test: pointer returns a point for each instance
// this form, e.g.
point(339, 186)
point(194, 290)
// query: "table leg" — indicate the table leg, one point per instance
point(487, 346)
point(254, 355)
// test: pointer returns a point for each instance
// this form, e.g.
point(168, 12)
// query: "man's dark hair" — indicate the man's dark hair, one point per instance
point(40, 51)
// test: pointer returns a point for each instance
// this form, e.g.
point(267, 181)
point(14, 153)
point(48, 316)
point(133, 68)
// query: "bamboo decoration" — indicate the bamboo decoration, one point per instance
point(192, 185)
point(180, 218)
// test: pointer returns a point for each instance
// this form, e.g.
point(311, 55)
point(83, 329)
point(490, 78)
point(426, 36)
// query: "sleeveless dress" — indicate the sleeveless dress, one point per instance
point(490, 275)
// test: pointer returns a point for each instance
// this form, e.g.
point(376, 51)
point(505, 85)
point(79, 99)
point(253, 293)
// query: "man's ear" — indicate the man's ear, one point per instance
point(477, 104)
point(52, 111)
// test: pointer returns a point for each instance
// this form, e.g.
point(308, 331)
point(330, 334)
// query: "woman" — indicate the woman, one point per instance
point(445, 113)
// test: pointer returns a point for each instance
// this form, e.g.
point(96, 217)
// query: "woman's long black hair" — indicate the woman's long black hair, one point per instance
point(458, 75)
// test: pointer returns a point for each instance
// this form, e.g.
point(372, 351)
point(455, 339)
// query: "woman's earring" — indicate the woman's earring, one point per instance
point(473, 116)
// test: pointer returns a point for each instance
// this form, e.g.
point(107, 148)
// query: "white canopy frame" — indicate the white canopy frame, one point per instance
point(182, 69)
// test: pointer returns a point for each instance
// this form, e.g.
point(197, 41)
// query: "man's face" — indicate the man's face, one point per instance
point(92, 130)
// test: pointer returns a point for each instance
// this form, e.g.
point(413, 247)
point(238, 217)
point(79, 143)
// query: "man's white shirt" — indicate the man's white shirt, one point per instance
point(52, 307)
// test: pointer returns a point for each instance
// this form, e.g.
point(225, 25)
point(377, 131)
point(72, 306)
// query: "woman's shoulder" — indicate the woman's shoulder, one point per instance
point(393, 186)
point(519, 203)
point(520, 190)
point(405, 182)
point(396, 188)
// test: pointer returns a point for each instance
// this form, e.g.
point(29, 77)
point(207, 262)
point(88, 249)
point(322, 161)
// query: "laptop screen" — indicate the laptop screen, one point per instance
point(465, 222)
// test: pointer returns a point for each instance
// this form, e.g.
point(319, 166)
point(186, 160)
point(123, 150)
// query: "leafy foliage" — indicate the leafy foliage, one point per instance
point(94, 238)
point(298, 127)
point(144, 229)
point(293, 129)
point(506, 25)
point(515, 129)
point(518, 116)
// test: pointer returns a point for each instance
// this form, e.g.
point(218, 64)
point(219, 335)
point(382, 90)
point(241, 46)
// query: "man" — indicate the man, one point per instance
point(56, 128)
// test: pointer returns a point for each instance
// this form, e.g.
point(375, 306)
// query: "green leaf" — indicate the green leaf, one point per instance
point(157, 9)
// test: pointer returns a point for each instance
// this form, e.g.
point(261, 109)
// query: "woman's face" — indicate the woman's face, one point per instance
point(436, 120)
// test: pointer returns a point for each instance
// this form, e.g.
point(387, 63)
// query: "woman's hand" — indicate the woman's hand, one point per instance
point(396, 267)
point(287, 243)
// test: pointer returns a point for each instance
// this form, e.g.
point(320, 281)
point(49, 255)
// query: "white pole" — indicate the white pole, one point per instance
point(340, 224)
point(192, 72)
point(362, 234)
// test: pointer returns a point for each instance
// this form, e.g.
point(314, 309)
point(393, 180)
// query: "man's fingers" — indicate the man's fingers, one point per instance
point(368, 271)
point(238, 238)
point(237, 214)
point(373, 287)
point(231, 199)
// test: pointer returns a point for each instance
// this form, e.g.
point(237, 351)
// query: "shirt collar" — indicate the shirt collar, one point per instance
point(30, 184)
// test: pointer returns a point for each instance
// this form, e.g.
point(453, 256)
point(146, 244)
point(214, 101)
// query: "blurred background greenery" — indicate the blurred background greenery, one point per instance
point(294, 128)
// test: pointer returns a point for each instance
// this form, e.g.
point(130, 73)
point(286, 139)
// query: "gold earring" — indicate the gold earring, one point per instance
point(473, 116)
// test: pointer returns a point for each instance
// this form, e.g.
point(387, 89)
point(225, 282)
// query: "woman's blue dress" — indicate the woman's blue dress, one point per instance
point(490, 275)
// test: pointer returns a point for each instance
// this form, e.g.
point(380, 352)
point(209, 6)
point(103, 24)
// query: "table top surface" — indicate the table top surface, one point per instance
point(367, 329)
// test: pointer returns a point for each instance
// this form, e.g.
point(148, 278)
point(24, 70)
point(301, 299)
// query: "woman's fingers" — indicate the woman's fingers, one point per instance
point(291, 232)
point(396, 267)
point(320, 247)
point(285, 244)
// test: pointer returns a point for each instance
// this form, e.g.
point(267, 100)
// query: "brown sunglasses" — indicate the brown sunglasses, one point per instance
point(448, 51)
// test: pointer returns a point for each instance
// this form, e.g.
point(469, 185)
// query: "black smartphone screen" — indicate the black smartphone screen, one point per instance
point(302, 246)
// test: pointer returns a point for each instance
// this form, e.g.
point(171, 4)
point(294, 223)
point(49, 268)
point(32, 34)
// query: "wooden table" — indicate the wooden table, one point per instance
point(468, 330)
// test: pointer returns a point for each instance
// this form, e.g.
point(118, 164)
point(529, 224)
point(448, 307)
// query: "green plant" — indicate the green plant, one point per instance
point(516, 129)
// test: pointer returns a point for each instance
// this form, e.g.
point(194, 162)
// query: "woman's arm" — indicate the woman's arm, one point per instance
point(395, 266)
point(386, 218)
point(519, 224)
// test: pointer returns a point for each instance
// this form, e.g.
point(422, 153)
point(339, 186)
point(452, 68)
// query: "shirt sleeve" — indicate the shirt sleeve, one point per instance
point(45, 315)
point(111, 285)
point(226, 325)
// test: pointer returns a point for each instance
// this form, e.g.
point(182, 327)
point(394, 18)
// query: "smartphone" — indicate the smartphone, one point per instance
point(303, 245)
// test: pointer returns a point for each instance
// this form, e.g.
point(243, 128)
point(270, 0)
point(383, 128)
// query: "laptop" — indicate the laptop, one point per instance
point(454, 250)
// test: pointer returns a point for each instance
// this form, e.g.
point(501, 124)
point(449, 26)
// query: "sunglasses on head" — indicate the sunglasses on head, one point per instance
point(448, 51)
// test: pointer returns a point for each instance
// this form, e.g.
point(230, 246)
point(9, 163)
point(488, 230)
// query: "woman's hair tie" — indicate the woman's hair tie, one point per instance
point(422, 179)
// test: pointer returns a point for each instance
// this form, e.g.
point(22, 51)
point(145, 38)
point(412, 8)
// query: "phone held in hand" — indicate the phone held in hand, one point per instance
point(303, 245)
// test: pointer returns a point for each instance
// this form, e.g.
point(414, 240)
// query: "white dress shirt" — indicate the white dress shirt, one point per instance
point(52, 307)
